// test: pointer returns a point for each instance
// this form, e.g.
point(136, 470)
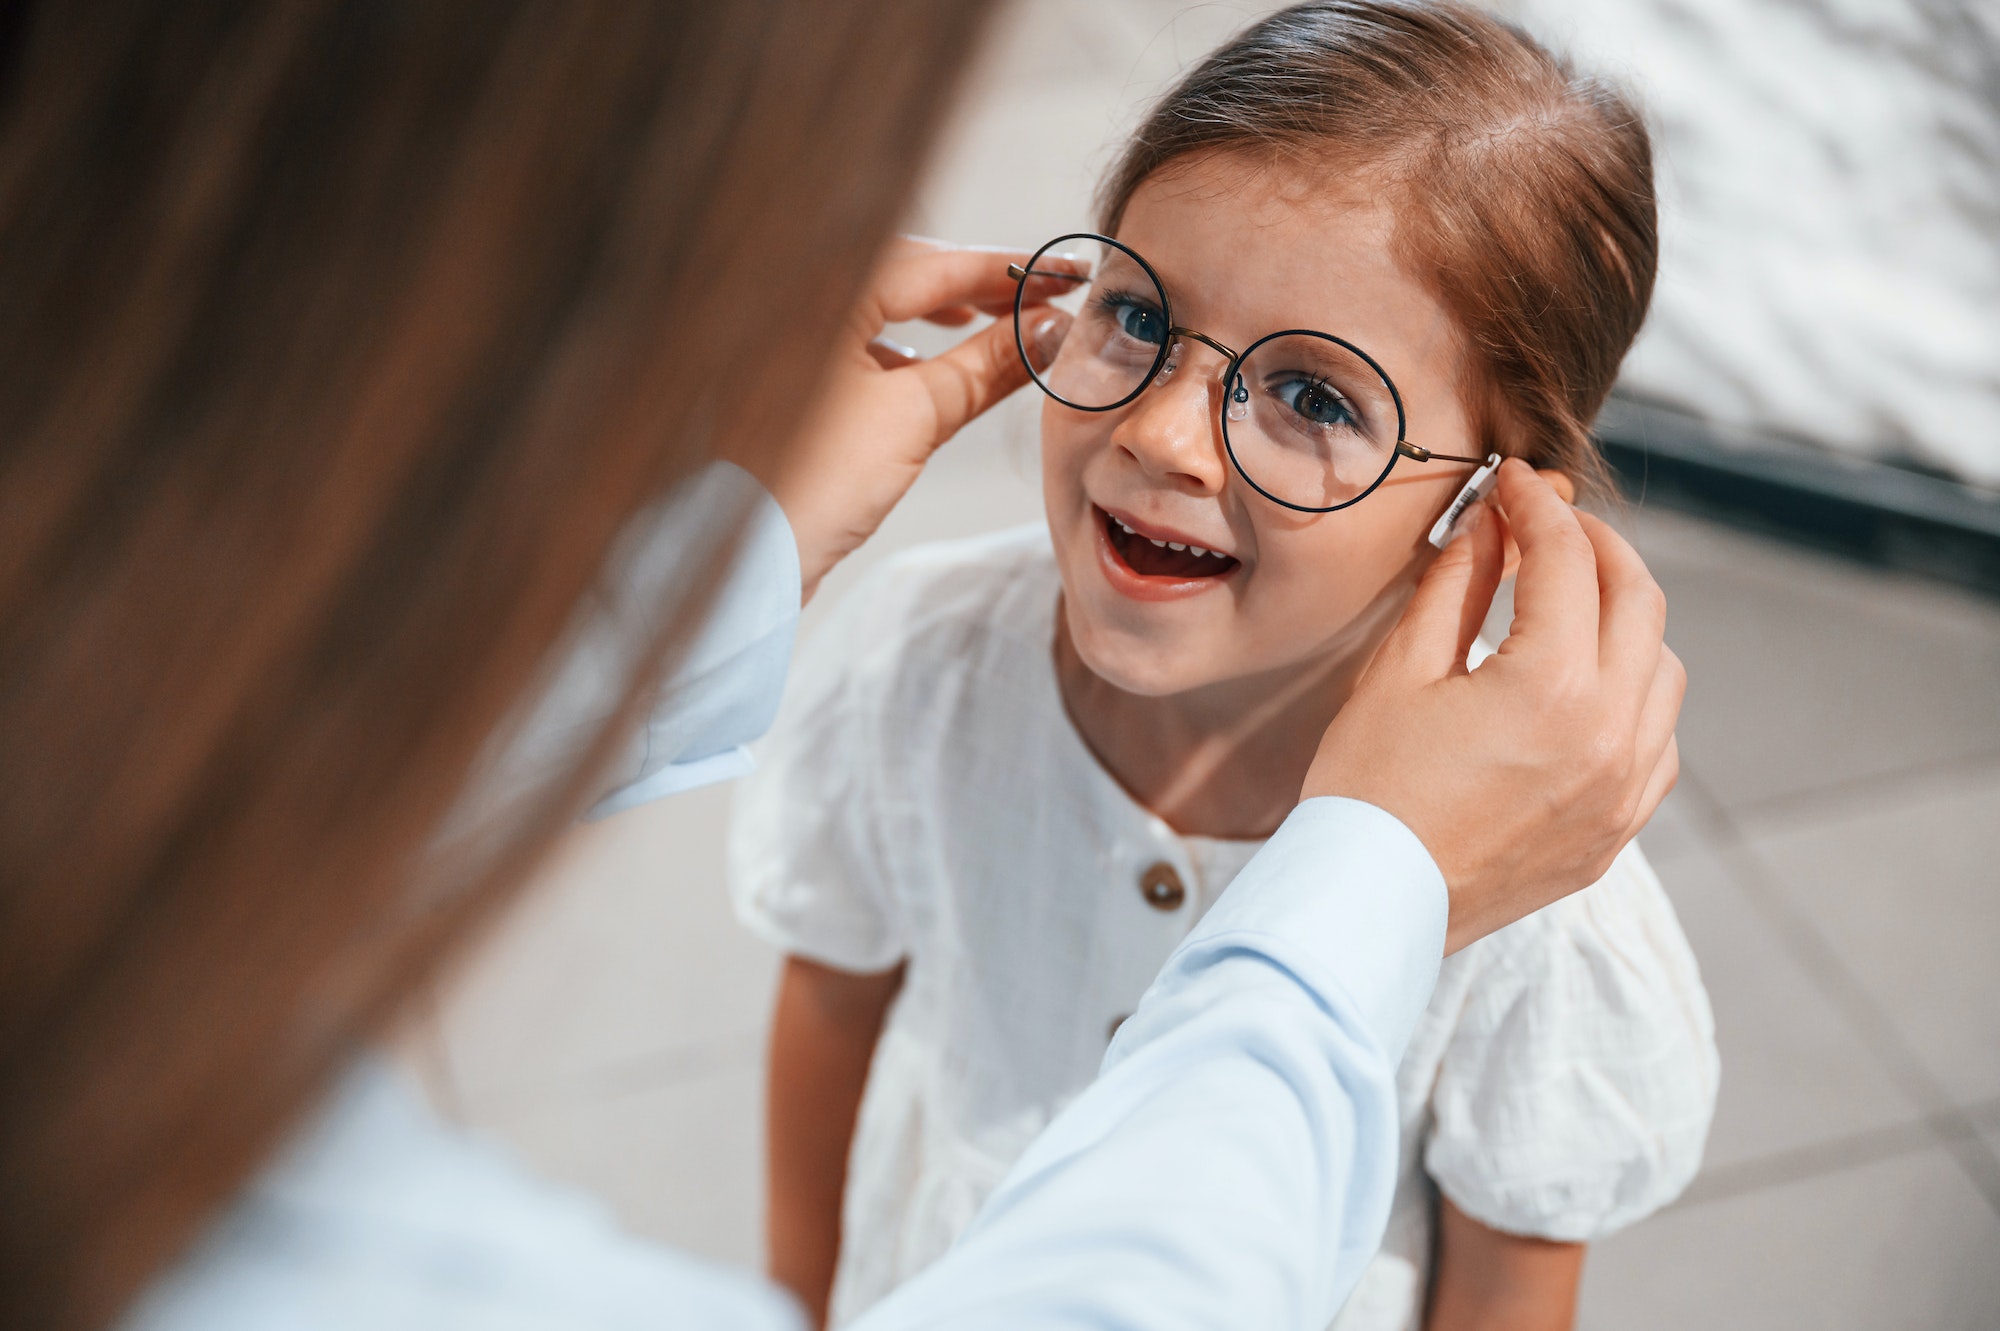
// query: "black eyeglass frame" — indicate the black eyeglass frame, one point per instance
point(1231, 373)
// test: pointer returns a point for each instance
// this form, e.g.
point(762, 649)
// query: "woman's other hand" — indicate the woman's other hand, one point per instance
point(882, 411)
point(1525, 777)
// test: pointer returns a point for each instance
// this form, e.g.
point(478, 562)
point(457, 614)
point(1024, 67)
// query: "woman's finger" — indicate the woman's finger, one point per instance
point(952, 316)
point(1555, 588)
point(971, 377)
point(1435, 632)
point(1661, 710)
point(1660, 783)
point(1632, 611)
point(892, 355)
point(1487, 539)
point(922, 282)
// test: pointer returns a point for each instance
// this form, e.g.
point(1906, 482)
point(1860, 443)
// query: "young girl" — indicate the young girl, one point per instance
point(1360, 248)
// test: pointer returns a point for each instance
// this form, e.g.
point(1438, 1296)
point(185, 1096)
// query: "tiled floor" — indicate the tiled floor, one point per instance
point(1834, 852)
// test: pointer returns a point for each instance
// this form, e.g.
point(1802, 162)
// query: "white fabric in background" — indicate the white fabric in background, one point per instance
point(1830, 214)
point(925, 797)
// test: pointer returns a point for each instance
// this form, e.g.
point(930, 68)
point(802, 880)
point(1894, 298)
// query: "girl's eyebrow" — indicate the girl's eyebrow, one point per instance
point(1190, 316)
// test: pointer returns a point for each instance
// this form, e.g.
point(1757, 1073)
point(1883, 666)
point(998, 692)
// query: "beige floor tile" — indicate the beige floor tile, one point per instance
point(1793, 1074)
point(679, 1163)
point(623, 967)
point(1805, 672)
point(1907, 893)
point(1899, 1243)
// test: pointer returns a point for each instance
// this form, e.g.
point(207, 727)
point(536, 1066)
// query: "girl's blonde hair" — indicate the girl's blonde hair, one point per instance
point(1524, 190)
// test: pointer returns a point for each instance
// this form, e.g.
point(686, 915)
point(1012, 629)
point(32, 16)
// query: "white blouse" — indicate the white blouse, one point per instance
point(924, 798)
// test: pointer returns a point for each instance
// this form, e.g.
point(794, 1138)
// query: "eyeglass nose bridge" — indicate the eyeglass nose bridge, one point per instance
point(1218, 348)
point(1172, 360)
point(1231, 382)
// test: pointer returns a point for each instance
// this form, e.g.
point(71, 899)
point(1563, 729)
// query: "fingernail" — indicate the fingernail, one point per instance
point(1045, 339)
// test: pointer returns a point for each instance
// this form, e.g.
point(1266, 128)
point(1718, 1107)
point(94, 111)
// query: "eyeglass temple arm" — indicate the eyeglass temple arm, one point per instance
point(1418, 453)
point(1020, 274)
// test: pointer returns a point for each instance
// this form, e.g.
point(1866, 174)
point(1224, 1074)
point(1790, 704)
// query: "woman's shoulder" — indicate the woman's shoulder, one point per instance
point(378, 1204)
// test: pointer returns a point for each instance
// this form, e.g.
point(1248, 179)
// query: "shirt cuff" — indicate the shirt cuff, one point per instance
point(674, 779)
point(761, 593)
point(1346, 898)
point(725, 689)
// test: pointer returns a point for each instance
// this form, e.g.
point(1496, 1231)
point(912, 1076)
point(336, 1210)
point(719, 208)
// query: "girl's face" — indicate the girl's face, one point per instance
point(1244, 249)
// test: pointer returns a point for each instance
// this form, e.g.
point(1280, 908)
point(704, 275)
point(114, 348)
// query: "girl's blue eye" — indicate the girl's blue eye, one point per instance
point(1135, 319)
point(1143, 325)
point(1316, 401)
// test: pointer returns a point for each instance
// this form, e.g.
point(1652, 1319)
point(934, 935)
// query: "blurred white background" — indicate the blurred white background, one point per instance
point(1830, 214)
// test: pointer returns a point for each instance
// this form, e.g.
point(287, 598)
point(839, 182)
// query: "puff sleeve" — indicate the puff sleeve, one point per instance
point(806, 873)
point(1575, 1094)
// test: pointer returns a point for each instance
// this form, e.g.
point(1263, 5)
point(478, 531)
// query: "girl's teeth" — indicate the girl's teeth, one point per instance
point(1167, 545)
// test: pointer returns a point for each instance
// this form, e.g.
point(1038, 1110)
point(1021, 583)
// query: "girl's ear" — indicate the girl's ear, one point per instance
point(1511, 556)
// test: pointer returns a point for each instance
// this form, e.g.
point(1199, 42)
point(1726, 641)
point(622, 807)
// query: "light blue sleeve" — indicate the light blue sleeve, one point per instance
point(1231, 1168)
point(725, 690)
point(1233, 1164)
point(378, 1217)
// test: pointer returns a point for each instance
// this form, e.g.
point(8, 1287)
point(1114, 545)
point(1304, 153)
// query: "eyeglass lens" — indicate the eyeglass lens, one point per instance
point(1307, 419)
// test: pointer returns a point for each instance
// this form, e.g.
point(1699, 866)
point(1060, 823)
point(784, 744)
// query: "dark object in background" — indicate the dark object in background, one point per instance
point(1884, 515)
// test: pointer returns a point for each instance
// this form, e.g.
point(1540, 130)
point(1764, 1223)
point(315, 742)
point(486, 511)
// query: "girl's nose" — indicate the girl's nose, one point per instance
point(1173, 431)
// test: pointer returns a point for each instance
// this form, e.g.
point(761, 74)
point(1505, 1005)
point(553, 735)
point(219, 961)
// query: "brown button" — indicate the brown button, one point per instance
point(1116, 1022)
point(1161, 887)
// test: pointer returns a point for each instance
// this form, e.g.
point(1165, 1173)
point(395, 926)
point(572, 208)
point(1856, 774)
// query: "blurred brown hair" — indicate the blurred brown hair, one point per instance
point(340, 341)
point(1524, 191)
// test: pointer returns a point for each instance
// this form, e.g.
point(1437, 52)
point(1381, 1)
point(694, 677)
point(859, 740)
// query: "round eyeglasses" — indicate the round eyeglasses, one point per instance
point(1309, 420)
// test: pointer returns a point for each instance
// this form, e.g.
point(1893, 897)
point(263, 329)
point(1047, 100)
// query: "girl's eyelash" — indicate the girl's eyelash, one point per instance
point(1108, 301)
point(1317, 383)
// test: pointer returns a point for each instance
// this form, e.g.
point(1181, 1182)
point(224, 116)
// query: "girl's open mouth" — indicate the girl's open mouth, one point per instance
point(1169, 561)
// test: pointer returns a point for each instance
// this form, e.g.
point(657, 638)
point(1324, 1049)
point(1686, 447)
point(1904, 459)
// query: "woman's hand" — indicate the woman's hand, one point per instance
point(1525, 777)
point(883, 411)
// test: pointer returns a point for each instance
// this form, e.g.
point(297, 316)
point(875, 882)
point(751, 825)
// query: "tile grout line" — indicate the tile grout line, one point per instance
point(1818, 801)
point(1950, 1126)
point(661, 1069)
point(1830, 1157)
